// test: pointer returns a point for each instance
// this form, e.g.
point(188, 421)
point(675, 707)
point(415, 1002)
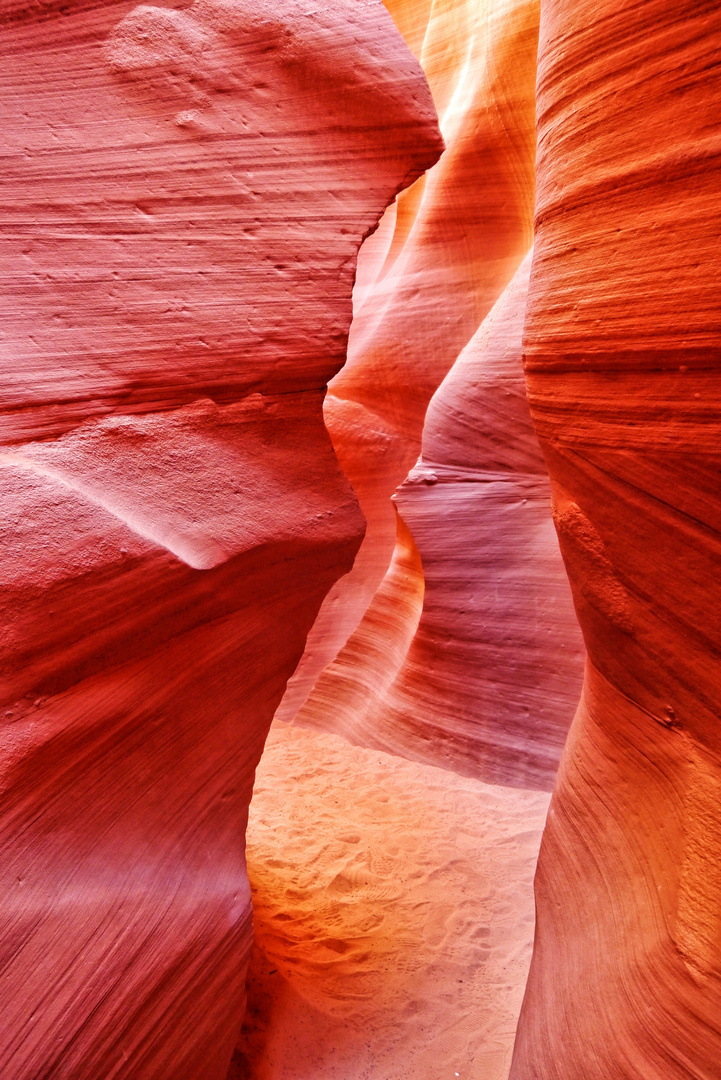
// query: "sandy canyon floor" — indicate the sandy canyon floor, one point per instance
point(393, 916)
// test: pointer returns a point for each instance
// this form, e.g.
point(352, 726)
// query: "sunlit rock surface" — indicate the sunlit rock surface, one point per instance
point(185, 191)
point(622, 355)
point(184, 194)
point(470, 654)
point(442, 257)
point(467, 653)
point(492, 677)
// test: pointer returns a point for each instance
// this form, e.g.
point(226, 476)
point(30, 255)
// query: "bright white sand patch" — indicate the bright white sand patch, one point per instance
point(393, 916)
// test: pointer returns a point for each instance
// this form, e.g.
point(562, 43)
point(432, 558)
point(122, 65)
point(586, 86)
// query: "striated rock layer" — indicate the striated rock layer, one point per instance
point(622, 359)
point(439, 262)
point(487, 680)
point(492, 678)
point(470, 654)
point(185, 194)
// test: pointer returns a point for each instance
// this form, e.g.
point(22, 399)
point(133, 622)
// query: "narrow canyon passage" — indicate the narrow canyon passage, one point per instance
point(393, 915)
point(360, 386)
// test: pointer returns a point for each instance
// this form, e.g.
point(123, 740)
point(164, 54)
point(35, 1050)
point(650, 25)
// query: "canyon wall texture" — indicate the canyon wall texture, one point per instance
point(622, 359)
point(443, 256)
point(469, 654)
point(487, 679)
point(184, 192)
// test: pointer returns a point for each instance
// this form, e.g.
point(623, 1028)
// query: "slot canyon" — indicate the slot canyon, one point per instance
point(360, 570)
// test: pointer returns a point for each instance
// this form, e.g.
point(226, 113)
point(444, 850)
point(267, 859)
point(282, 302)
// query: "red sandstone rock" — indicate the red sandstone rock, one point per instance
point(185, 192)
point(492, 679)
point(470, 654)
point(457, 238)
point(622, 362)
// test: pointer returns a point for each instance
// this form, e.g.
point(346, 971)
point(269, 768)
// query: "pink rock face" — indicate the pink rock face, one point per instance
point(622, 362)
point(492, 679)
point(470, 654)
point(150, 293)
point(185, 195)
point(428, 280)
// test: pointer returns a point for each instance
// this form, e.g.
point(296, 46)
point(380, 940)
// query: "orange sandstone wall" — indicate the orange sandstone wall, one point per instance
point(492, 678)
point(622, 354)
point(470, 655)
point(467, 652)
point(439, 261)
point(184, 194)
point(442, 257)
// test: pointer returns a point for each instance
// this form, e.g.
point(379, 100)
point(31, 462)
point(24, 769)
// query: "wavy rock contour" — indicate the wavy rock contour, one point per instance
point(623, 373)
point(427, 279)
point(470, 654)
point(185, 192)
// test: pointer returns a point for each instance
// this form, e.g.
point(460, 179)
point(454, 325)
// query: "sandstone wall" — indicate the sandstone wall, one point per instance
point(469, 655)
point(622, 360)
point(486, 680)
point(442, 258)
point(185, 192)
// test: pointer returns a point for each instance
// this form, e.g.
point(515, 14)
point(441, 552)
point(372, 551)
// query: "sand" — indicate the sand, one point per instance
point(393, 916)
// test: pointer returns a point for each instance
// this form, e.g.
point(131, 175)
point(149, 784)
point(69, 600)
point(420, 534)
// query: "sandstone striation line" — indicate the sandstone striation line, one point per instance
point(184, 194)
point(622, 354)
point(426, 282)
